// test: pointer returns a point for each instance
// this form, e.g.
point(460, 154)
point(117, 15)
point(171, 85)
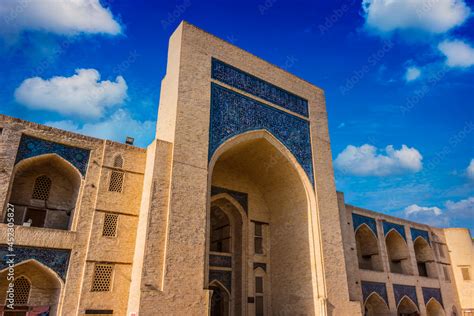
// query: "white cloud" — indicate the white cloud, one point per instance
point(60, 17)
point(412, 73)
point(457, 52)
point(366, 161)
point(385, 16)
point(470, 170)
point(461, 209)
point(415, 209)
point(115, 127)
point(81, 94)
point(452, 211)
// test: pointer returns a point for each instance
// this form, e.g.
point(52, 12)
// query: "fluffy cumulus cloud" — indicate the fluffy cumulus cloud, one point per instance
point(82, 94)
point(457, 53)
point(412, 73)
point(432, 215)
point(60, 17)
point(470, 170)
point(116, 127)
point(385, 16)
point(367, 160)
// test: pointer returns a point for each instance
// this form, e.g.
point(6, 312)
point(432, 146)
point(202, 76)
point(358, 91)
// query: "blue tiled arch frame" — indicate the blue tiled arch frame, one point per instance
point(233, 114)
point(30, 147)
point(389, 226)
point(369, 287)
point(400, 291)
point(415, 233)
point(432, 293)
point(358, 220)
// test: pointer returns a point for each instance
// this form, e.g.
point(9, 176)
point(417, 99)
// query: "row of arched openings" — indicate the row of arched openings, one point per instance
point(375, 305)
point(369, 255)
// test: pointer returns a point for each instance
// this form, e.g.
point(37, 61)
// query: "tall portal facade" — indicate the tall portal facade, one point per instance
point(242, 199)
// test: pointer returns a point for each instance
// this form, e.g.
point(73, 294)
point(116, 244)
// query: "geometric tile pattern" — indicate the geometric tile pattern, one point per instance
point(429, 292)
point(246, 82)
point(56, 259)
point(387, 227)
point(233, 114)
point(415, 233)
point(371, 287)
point(358, 220)
point(32, 147)
point(220, 261)
point(405, 290)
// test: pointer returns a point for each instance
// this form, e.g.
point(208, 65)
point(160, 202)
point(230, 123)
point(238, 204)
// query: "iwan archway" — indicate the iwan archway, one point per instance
point(279, 212)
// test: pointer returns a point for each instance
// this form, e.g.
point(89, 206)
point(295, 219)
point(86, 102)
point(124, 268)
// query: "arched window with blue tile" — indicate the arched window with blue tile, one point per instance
point(397, 248)
point(368, 252)
point(425, 259)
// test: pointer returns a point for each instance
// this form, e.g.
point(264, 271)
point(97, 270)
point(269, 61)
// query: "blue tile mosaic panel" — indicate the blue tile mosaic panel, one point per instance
point(220, 261)
point(387, 227)
point(32, 147)
point(400, 291)
point(224, 277)
point(56, 259)
point(429, 293)
point(241, 80)
point(240, 197)
point(415, 233)
point(233, 114)
point(358, 220)
point(374, 287)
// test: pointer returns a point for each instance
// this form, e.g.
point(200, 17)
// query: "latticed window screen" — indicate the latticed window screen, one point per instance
point(102, 278)
point(116, 181)
point(118, 161)
point(41, 188)
point(21, 289)
point(110, 225)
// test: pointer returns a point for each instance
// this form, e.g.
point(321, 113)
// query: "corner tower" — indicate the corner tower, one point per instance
point(239, 213)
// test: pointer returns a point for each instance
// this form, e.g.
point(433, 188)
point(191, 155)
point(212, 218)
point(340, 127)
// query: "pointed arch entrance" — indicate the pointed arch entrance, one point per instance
point(281, 203)
point(398, 254)
point(425, 258)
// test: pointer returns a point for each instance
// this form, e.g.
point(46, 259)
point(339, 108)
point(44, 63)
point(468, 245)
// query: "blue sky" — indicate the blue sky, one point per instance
point(398, 78)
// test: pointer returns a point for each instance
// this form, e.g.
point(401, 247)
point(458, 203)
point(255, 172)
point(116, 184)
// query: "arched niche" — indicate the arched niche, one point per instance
point(44, 191)
point(406, 307)
point(281, 194)
point(398, 254)
point(220, 299)
point(425, 258)
point(368, 253)
point(45, 286)
point(434, 308)
point(375, 306)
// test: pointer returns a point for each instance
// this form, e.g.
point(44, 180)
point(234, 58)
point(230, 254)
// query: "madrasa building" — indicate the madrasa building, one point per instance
point(231, 210)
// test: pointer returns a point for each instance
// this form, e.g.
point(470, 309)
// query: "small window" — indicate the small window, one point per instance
point(21, 289)
point(446, 274)
point(465, 273)
point(110, 225)
point(118, 161)
point(116, 181)
point(259, 285)
point(102, 278)
point(41, 188)
point(258, 238)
